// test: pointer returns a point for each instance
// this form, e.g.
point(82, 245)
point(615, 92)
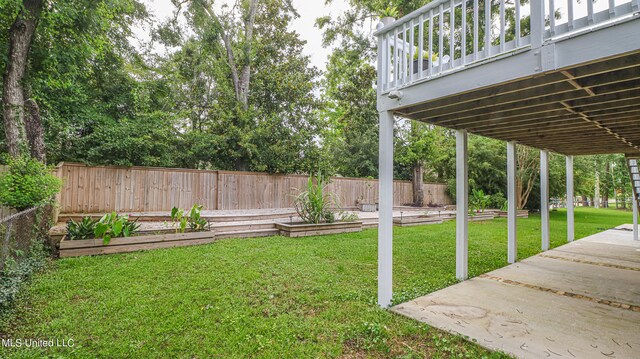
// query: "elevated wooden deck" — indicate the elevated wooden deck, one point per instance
point(568, 85)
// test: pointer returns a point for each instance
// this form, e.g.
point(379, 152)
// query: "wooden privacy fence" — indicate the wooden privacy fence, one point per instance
point(146, 189)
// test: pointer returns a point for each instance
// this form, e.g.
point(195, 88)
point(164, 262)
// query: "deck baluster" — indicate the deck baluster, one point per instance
point(475, 30)
point(411, 50)
point(487, 28)
point(404, 53)
point(502, 25)
point(570, 14)
point(396, 57)
point(463, 45)
point(420, 46)
point(552, 18)
point(440, 37)
point(612, 9)
point(430, 63)
point(517, 23)
point(452, 32)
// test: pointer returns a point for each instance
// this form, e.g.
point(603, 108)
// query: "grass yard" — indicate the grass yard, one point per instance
point(268, 297)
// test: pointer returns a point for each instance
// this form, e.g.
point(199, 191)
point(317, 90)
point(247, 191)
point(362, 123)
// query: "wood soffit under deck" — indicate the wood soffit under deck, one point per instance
point(589, 109)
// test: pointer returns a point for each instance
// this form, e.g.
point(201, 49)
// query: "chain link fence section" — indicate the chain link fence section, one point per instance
point(24, 232)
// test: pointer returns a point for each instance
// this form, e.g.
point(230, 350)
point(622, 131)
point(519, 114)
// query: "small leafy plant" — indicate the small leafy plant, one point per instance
point(193, 219)
point(27, 184)
point(348, 216)
point(390, 11)
point(83, 229)
point(112, 225)
point(479, 201)
point(498, 201)
point(313, 205)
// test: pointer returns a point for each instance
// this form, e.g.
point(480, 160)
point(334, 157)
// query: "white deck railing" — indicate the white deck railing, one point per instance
point(447, 35)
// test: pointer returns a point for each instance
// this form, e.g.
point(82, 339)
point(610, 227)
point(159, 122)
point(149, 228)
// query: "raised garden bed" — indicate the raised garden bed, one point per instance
point(522, 213)
point(305, 229)
point(89, 247)
point(368, 207)
point(481, 217)
point(417, 221)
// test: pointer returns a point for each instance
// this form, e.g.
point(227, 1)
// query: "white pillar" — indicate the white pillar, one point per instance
point(635, 217)
point(544, 198)
point(512, 213)
point(570, 216)
point(385, 221)
point(462, 206)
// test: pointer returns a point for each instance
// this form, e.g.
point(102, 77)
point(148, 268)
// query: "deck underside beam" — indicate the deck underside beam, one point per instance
point(598, 101)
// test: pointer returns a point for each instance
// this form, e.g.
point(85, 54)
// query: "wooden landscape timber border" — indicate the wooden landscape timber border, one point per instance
point(522, 213)
point(306, 229)
point(101, 189)
point(417, 221)
point(482, 217)
point(131, 244)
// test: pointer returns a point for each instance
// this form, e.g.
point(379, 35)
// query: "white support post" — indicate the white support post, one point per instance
point(512, 214)
point(385, 221)
point(635, 218)
point(462, 206)
point(544, 198)
point(570, 215)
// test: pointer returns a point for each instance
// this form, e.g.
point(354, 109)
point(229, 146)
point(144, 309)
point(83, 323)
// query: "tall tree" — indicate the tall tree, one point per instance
point(257, 110)
point(528, 168)
point(240, 67)
point(13, 95)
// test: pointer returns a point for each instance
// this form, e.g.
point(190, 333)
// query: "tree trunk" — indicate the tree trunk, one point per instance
point(245, 73)
point(418, 184)
point(585, 201)
point(20, 37)
point(34, 131)
point(241, 75)
point(528, 168)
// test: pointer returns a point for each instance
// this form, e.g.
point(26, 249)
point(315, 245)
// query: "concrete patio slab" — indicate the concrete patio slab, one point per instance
point(581, 300)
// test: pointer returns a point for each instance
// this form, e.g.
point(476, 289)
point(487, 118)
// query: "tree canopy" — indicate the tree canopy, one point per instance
point(230, 87)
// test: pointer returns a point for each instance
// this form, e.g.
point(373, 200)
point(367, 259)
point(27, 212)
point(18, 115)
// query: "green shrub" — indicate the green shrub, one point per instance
point(313, 205)
point(16, 273)
point(498, 201)
point(27, 183)
point(193, 219)
point(478, 201)
point(112, 225)
point(84, 229)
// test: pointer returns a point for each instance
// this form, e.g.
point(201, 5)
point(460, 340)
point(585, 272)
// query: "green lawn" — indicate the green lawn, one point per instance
point(267, 297)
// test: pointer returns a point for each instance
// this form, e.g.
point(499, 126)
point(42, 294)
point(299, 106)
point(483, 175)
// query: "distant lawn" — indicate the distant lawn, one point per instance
point(267, 297)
